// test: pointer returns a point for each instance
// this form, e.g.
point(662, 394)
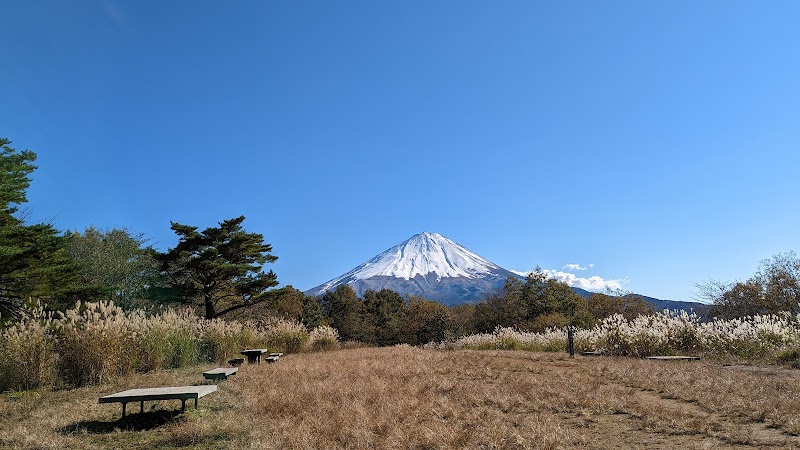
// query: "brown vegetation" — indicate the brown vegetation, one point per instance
point(411, 398)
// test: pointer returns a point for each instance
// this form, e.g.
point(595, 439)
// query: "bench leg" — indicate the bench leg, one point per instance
point(123, 409)
point(183, 404)
point(195, 403)
point(141, 407)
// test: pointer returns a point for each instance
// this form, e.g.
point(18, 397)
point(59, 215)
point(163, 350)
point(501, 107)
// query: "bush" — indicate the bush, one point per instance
point(27, 360)
point(324, 338)
point(760, 337)
point(789, 357)
point(96, 341)
point(286, 336)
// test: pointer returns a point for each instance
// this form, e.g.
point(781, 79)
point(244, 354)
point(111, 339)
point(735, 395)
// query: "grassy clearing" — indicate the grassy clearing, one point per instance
point(420, 399)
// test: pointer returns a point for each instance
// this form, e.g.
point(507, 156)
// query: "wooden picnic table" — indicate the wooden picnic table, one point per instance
point(181, 393)
point(220, 373)
point(254, 354)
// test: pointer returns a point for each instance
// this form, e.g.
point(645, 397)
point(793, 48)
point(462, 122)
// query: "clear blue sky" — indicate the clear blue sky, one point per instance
point(657, 141)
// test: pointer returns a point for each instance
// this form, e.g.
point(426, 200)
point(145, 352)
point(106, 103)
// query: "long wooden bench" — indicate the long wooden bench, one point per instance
point(220, 373)
point(675, 358)
point(181, 393)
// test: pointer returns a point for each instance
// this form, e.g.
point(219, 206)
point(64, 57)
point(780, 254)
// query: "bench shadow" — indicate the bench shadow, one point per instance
point(132, 422)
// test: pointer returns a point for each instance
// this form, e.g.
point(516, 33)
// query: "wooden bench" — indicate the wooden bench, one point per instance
point(271, 359)
point(236, 361)
point(254, 354)
point(220, 373)
point(276, 354)
point(675, 358)
point(181, 393)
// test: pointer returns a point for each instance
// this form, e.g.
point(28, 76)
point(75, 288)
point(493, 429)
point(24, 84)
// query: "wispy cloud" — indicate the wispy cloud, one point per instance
point(577, 267)
point(594, 283)
point(114, 14)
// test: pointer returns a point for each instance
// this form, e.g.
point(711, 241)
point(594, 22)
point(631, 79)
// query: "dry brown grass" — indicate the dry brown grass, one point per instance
point(410, 398)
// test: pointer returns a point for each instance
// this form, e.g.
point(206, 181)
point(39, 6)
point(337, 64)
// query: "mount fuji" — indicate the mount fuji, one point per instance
point(427, 265)
point(431, 266)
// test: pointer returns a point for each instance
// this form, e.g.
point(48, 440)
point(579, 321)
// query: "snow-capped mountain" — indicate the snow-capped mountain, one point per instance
point(431, 266)
point(427, 265)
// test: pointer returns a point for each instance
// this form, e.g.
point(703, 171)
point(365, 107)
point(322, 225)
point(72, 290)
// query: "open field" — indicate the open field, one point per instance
point(411, 398)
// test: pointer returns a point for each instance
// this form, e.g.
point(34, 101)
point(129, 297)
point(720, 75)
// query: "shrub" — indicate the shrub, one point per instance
point(789, 357)
point(324, 338)
point(286, 336)
point(27, 360)
point(96, 341)
point(757, 337)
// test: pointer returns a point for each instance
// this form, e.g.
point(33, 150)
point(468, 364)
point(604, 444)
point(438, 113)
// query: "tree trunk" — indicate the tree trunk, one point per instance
point(210, 312)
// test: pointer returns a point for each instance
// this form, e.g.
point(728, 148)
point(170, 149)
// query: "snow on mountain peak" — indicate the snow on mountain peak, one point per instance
point(421, 254)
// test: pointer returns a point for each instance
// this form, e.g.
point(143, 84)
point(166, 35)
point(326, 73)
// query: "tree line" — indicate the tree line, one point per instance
point(220, 271)
point(773, 289)
point(386, 318)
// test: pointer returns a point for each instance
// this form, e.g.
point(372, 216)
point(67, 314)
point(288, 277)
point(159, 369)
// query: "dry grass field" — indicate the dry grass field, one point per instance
point(409, 398)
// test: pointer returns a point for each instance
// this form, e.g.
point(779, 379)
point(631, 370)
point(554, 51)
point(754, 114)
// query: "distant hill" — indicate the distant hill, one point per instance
point(701, 309)
point(431, 266)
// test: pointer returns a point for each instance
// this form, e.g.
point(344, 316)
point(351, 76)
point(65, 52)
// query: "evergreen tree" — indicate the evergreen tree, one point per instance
point(33, 260)
point(427, 321)
point(345, 312)
point(312, 315)
point(386, 311)
point(220, 268)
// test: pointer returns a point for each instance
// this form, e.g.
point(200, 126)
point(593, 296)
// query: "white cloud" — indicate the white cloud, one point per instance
point(593, 283)
point(576, 267)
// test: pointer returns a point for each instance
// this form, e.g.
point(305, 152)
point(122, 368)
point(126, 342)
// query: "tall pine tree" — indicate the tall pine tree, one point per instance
point(220, 268)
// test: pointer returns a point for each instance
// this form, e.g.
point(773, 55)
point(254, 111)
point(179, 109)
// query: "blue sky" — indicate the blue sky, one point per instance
point(656, 141)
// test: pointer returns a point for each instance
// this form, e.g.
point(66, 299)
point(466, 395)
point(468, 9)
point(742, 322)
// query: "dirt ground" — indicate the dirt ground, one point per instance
point(654, 418)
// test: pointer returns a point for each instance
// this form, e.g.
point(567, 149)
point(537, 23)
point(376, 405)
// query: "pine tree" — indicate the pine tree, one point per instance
point(33, 260)
point(312, 315)
point(220, 267)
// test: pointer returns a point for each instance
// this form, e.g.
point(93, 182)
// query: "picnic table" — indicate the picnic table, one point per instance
point(220, 373)
point(181, 393)
point(254, 354)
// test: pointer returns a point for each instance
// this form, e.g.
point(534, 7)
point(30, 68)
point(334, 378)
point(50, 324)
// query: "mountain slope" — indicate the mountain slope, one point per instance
point(427, 265)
